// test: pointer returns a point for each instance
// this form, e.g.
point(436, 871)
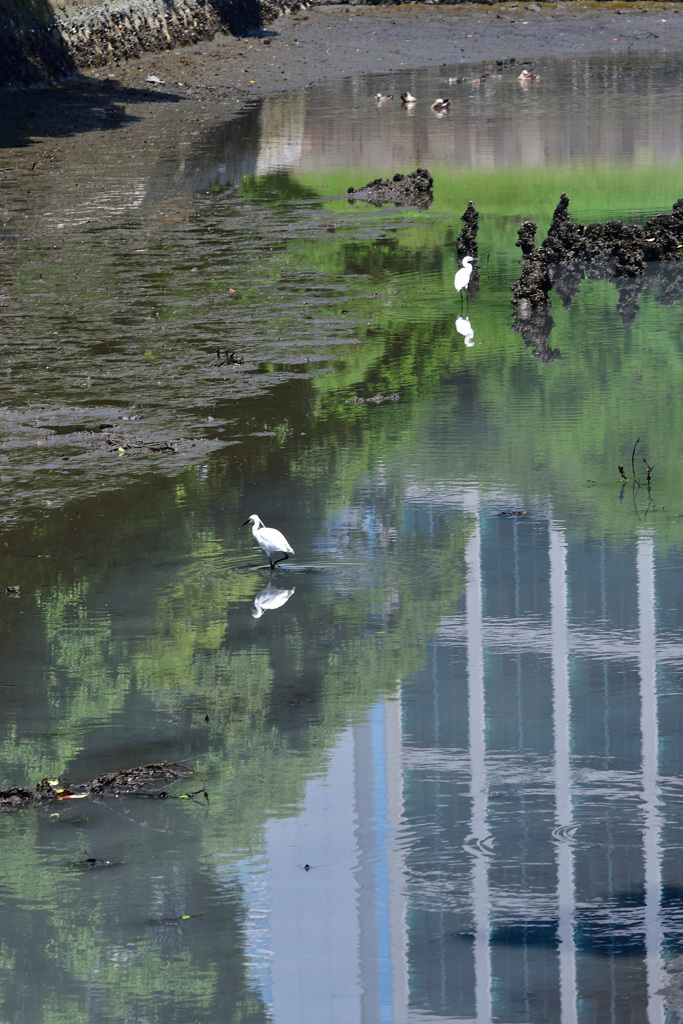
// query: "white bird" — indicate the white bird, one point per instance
point(269, 540)
point(270, 598)
point(464, 327)
point(440, 104)
point(407, 98)
point(462, 277)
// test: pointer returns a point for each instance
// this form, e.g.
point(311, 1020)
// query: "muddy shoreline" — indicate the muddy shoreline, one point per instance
point(335, 40)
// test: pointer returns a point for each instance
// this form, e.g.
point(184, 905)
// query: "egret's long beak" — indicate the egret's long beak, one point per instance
point(244, 524)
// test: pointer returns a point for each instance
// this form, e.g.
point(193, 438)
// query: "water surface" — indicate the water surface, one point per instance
point(441, 743)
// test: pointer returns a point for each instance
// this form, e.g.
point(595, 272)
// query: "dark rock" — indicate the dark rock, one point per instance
point(526, 235)
point(613, 248)
point(467, 239)
point(402, 190)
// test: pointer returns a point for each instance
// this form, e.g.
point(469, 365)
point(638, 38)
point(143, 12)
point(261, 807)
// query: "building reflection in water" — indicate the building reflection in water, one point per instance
point(516, 855)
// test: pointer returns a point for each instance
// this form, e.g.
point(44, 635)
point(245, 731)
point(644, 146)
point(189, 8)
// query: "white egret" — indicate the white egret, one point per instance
point(269, 540)
point(462, 278)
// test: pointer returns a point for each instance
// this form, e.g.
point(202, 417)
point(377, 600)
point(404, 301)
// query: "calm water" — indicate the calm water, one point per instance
point(442, 744)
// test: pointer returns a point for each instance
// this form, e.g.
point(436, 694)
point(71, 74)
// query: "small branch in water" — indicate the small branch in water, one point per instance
point(633, 461)
point(636, 485)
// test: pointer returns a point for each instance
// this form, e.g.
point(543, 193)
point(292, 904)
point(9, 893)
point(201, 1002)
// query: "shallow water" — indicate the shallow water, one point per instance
point(441, 744)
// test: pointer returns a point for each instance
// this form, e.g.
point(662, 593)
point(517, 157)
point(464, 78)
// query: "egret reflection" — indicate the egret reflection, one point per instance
point(464, 327)
point(269, 598)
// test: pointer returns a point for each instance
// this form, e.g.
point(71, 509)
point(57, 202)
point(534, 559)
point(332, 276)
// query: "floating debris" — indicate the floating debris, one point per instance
point(230, 359)
point(147, 780)
point(375, 400)
point(90, 863)
point(128, 447)
point(180, 919)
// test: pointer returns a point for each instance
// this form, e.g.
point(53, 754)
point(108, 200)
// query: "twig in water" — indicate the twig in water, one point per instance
point(633, 461)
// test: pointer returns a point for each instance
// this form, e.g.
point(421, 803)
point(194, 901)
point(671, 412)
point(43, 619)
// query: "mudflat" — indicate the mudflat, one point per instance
point(333, 41)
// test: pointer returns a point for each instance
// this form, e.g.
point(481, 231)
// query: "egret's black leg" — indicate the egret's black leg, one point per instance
point(279, 560)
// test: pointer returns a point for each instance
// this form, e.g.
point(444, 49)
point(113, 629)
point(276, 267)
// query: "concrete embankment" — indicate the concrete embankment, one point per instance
point(47, 40)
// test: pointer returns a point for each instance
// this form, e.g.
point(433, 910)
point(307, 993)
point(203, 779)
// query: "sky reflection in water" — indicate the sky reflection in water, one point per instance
point(442, 745)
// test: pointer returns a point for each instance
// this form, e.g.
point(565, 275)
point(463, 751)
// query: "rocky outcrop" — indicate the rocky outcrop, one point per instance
point(42, 41)
point(630, 256)
point(614, 248)
point(413, 189)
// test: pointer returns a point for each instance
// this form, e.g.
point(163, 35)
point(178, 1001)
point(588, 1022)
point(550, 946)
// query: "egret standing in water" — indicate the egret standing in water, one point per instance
point(462, 278)
point(269, 540)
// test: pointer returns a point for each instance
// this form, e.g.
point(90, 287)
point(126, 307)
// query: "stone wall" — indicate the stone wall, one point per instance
point(47, 40)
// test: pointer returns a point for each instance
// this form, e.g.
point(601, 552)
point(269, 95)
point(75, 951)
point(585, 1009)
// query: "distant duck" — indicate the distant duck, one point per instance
point(456, 80)
point(383, 97)
point(116, 112)
point(527, 76)
point(441, 105)
point(408, 98)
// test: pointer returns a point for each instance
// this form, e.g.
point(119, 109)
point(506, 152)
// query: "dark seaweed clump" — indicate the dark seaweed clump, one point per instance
point(413, 189)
